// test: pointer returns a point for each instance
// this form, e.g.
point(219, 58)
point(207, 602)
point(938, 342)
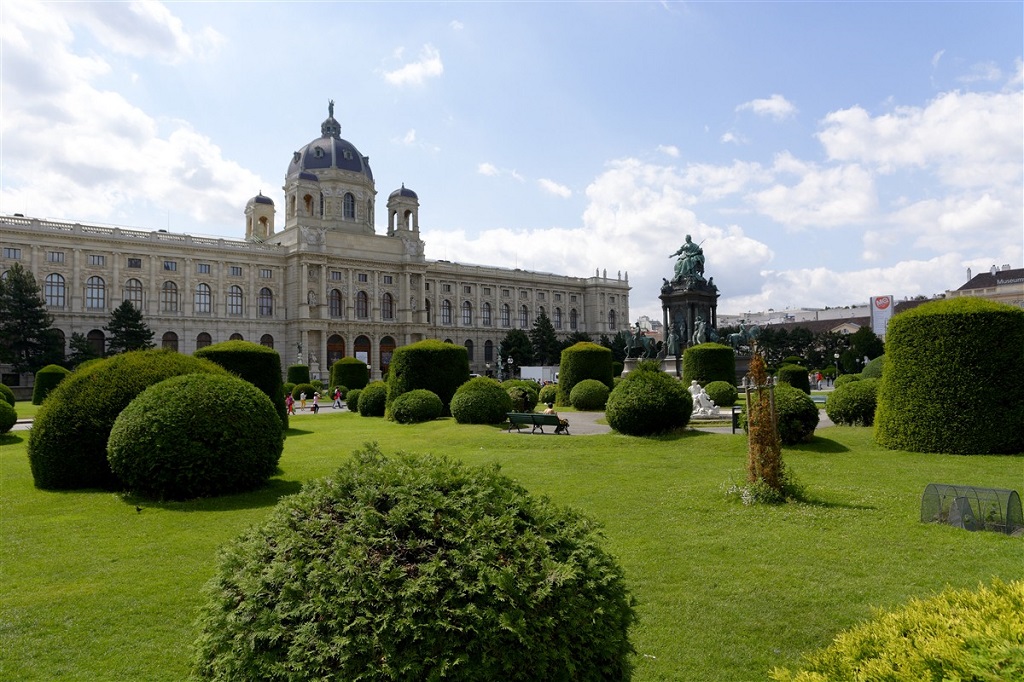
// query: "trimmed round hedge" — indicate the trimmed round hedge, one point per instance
point(647, 402)
point(299, 389)
point(6, 394)
point(415, 406)
point(67, 446)
point(796, 376)
point(431, 364)
point(854, 403)
point(722, 393)
point(524, 400)
point(373, 399)
point(351, 372)
point(707, 362)
point(844, 379)
point(298, 374)
point(584, 360)
point(254, 362)
point(795, 412)
point(589, 394)
point(481, 400)
point(46, 380)
point(548, 394)
point(8, 416)
point(952, 380)
point(352, 399)
point(198, 435)
point(416, 568)
point(874, 368)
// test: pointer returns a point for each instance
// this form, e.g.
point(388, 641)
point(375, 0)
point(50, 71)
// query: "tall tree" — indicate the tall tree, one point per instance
point(80, 350)
point(864, 343)
point(27, 337)
point(516, 345)
point(546, 349)
point(574, 338)
point(127, 330)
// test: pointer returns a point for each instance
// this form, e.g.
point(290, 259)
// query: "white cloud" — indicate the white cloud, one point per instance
point(776, 106)
point(552, 187)
point(937, 57)
point(487, 169)
point(410, 137)
point(821, 197)
point(456, 25)
point(987, 72)
point(428, 65)
point(732, 138)
point(669, 150)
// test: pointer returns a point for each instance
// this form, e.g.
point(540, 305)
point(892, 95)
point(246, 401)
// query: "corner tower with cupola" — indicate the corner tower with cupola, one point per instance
point(404, 213)
point(329, 184)
point(259, 218)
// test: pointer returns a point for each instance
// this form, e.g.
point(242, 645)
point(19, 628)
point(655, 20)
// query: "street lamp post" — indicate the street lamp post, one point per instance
point(836, 356)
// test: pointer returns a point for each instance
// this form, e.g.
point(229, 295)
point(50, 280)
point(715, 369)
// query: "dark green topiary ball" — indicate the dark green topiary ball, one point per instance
point(416, 568)
point(853, 404)
point(589, 394)
point(352, 399)
point(67, 446)
point(46, 380)
point(548, 394)
point(373, 399)
point(6, 394)
point(198, 435)
point(648, 402)
point(8, 416)
point(796, 376)
point(797, 414)
point(844, 379)
point(481, 400)
point(526, 400)
point(722, 393)
point(415, 406)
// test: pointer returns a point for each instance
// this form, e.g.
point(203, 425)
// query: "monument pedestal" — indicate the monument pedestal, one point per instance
point(668, 365)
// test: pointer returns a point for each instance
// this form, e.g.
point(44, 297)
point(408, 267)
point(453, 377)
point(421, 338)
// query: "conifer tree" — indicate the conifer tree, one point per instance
point(127, 330)
point(516, 345)
point(544, 341)
point(80, 350)
point(27, 337)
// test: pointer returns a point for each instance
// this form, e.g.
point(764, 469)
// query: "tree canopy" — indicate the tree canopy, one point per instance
point(28, 340)
point(127, 330)
point(544, 341)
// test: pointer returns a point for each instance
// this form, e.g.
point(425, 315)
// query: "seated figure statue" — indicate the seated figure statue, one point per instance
point(703, 405)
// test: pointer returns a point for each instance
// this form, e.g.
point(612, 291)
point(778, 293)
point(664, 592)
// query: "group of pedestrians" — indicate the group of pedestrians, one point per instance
point(289, 401)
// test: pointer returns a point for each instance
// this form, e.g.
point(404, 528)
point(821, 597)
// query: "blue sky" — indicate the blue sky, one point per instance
point(822, 152)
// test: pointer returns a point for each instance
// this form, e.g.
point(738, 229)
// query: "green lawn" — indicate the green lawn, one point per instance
point(92, 589)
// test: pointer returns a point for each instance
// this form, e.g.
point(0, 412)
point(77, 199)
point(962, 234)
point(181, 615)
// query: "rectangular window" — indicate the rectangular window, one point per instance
point(446, 288)
point(611, 299)
point(170, 265)
point(428, 286)
point(363, 277)
point(135, 262)
point(203, 268)
point(266, 273)
point(524, 294)
point(540, 295)
point(55, 256)
point(388, 279)
point(505, 293)
point(487, 291)
point(466, 289)
point(236, 270)
point(558, 297)
point(97, 260)
point(572, 299)
point(14, 254)
point(335, 276)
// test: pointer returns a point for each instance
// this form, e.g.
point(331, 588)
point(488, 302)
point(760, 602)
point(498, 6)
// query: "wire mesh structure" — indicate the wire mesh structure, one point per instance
point(972, 508)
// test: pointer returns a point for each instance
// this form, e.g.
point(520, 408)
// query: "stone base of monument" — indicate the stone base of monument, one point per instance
point(742, 367)
point(668, 365)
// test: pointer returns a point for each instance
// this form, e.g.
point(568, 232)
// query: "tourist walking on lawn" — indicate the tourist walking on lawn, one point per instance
point(337, 398)
point(302, 400)
point(289, 402)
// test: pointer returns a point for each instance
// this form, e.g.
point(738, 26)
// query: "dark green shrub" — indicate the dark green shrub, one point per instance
point(416, 568)
point(299, 389)
point(853, 404)
point(298, 374)
point(351, 372)
point(343, 389)
point(197, 435)
point(956, 635)
point(481, 400)
point(67, 446)
point(874, 368)
point(796, 376)
point(617, 368)
point(581, 361)
point(792, 360)
point(548, 394)
point(434, 365)
point(6, 394)
point(46, 379)
point(952, 380)
point(707, 362)
point(723, 393)
point(797, 415)
point(352, 399)
point(8, 416)
point(373, 399)
point(257, 364)
point(415, 406)
point(844, 379)
point(589, 394)
point(648, 402)
point(525, 394)
point(88, 363)
point(288, 388)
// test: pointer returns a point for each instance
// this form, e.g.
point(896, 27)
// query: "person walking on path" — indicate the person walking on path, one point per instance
point(316, 402)
point(289, 402)
point(302, 400)
point(337, 398)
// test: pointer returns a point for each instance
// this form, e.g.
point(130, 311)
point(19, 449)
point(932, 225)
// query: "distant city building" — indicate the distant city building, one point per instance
point(326, 281)
point(1003, 285)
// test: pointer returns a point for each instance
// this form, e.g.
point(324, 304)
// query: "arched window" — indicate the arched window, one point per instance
point(133, 293)
point(54, 291)
point(335, 349)
point(265, 302)
point(169, 341)
point(61, 342)
point(558, 318)
point(611, 319)
point(387, 349)
point(350, 206)
point(446, 312)
point(506, 315)
point(308, 203)
point(524, 317)
point(485, 314)
point(267, 340)
point(236, 337)
point(467, 314)
point(362, 305)
point(203, 299)
point(203, 340)
point(387, 307)
point(169, 297)
point(235, 300)
point(334, 303)
point(361, 349)
point(469, 349)
point(95, 293)
point(97, 341)
point(488, 351)
point(573, 319)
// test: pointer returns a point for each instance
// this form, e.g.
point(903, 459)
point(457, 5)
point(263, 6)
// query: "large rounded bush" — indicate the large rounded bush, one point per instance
point(583, 360)
point(874, 368)
point(481, 400)
point(415, 406)
point(853, 404)
point(526, 397)
point(416, 568)
point(198, 435)
point(8, 416)
point(722, 393)
point(46, 380)
point(548, 394)
point(844, 379)
point(431, 364)
point(373, 399)
point(797, 415)
point(352, 399)
point(707, 362)
point(648, 402)
point(589, 394)
point(254, 362)
point(299, 389)
point(67, 446)
point(351, 372)
point(796, 376)
point(6, 394)
point(952, 380)
point(298, 374)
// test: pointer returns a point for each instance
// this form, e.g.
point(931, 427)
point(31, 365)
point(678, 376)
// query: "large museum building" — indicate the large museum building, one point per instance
point(326, 280)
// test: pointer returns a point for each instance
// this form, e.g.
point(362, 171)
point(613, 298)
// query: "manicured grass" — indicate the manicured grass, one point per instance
point(93, 589)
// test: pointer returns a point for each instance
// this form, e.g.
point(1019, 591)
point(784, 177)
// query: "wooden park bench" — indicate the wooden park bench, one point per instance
point(537, 420)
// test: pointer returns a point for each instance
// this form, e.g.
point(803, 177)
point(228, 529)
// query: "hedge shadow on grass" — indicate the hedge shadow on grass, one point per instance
point(267, 496)
point(820, 444)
